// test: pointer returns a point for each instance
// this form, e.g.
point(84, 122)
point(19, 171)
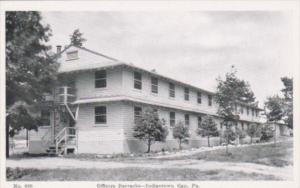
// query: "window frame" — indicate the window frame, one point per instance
point(135, 116)
point(43, 119)
point(154, 85)
point(199, 118)
point(172, 119)
point(186, 94)
point(242, 109)
point(199, 97)
point(187, 120)
point(70, 57)
point(171, 90)
point(137, 81)
point(209, 100)
point(100, 115)
point(100, 78)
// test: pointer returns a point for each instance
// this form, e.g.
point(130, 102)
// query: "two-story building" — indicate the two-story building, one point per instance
point(111, 94)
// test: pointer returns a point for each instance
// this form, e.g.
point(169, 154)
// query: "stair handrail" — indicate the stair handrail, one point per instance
point(60, 133)
point(59, 138)
point(43, 138)
point(64, 135)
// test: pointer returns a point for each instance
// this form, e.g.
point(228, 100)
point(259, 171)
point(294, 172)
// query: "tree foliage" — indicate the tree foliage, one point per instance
point(181, 133)
point(76, 38)
point(241, 134)
point(267, 132)
point(274, 110)
point(150, 128)
point(229, 92)
point(208, 128)
point(253, 131)
point(30, 71)
point(288, 100)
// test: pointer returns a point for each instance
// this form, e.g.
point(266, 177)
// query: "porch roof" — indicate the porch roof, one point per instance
point(142, 101)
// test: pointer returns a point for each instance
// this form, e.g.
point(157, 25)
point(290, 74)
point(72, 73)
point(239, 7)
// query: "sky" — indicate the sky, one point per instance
point(195, 47)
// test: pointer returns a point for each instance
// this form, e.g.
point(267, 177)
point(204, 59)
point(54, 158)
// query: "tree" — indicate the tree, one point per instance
point(30, 71)
point(229, 92)
point(288, 101)
point(252, 131)
point(241, 134)
point(274, 111)
point(181, 133)
point(229, 136)
point(267, 132)
point(150, 128)
point(76, 38)
point(208, 128)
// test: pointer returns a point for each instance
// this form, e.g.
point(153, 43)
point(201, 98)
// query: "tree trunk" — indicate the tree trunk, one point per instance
point(7, 140)
point(208, 141)
point(227, 142)
point(26, 137)
point(275, 135)
point(149, 146)
point(180, 144)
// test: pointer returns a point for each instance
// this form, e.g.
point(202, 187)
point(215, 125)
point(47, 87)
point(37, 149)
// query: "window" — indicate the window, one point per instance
point(241, 109)
point(171, 90)
point(72, 55)
point(252, 112)
point(187, 119)
point(186, 94)
point(199, 100)
point(209, 100)
point(100, 115)
point(137, 113)
point(154, 85)
point(172, 119)
point(242, 126)
point(247, 110)
point(100, 79)
point(45, 117)
point(199, 121)
point(137, 80)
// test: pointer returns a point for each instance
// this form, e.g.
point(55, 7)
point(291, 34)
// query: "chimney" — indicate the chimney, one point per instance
point(58, 49)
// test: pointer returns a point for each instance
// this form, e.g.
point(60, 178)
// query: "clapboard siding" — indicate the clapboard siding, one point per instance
point(163, 92)
point(85, 84)
point(133, 145)
point(100, 138)
point(163, 95)
point(163, 113)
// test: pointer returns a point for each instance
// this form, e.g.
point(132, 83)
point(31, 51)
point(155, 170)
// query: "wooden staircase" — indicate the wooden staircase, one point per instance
point(65, 142)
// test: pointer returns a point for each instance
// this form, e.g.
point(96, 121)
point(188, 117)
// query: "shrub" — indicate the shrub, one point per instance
point(266, 133)
point(181, 133)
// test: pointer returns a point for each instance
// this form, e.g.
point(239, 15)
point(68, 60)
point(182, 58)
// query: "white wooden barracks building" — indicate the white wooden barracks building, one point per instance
point(110, 94)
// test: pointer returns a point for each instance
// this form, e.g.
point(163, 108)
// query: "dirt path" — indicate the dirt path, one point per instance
point(284, 173)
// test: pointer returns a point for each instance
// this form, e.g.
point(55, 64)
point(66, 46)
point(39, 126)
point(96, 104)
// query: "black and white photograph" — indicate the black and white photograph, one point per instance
point(149, 95)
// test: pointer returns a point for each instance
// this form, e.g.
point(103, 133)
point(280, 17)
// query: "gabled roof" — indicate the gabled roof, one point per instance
point(88, 60)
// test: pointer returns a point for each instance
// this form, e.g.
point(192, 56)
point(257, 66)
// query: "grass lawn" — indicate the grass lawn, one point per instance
point(133, 174)
point(270, 155)
point(279, 155)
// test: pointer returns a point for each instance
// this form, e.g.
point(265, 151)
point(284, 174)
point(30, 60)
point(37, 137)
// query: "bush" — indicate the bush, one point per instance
point(266, 133)
point(17, 173)
point(241, 134)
